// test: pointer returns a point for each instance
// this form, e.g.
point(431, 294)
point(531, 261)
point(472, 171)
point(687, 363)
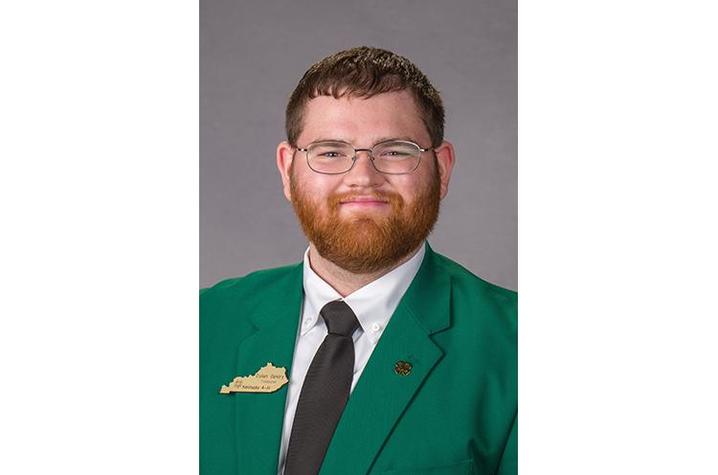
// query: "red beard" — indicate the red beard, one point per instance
point(367, 243)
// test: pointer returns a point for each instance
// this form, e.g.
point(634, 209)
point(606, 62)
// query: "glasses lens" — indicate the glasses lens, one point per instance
point(330, 157)
point(396, 157)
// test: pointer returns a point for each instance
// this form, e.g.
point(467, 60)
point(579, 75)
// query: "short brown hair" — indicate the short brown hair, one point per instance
point(365, 72)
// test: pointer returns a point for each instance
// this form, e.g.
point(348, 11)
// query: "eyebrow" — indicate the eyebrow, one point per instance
point(405, 138)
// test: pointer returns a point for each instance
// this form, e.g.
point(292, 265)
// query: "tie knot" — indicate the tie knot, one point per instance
point(340, 318)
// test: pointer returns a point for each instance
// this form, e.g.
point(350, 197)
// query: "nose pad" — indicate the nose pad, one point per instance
point(369, 157)
point(363, 173)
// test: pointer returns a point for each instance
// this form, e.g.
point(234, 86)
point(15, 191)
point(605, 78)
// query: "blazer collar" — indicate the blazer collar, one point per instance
point(259, 416)
point(429, 295)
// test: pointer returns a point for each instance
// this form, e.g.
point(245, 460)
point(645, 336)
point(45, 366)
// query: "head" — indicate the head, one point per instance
point(364, 220)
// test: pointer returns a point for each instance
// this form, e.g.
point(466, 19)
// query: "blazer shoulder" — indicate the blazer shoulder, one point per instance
point(464, 277)
point(485, 313)
point(253, 284)
point(469, 291)
point(248, 292)
point(225, 307)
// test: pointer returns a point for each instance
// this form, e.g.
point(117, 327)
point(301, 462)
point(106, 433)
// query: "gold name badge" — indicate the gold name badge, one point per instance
point(267, 380)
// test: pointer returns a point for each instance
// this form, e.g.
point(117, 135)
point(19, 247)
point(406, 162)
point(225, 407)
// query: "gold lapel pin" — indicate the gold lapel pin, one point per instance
point(402, 368)
point(268, 379)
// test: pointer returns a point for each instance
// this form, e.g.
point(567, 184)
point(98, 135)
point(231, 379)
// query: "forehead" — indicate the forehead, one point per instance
point(363, 121)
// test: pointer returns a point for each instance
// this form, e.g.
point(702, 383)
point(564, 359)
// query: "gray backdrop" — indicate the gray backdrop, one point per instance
point(252, 54)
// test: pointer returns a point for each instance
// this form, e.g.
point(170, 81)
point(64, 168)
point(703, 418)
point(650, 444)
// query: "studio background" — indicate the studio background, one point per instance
point(252, 54)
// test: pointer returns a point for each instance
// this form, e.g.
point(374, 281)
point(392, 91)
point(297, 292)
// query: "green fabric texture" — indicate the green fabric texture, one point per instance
point(454, 413)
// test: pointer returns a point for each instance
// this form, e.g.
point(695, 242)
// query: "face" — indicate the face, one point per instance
point(365, 221)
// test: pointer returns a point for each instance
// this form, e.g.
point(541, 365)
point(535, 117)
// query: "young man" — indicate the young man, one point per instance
point(397, 359)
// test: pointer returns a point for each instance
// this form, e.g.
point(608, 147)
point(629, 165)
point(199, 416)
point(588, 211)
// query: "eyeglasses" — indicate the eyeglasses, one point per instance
point(393, 157)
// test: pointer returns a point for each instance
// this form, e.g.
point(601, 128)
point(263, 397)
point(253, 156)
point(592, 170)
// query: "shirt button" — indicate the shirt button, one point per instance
point(375, 327)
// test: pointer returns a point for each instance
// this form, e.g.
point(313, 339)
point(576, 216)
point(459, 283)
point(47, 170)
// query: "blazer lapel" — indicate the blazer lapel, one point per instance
point(260, 416)
point(381, 395)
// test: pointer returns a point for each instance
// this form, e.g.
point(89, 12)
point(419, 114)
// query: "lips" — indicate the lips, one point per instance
point(364, 203)
point(364, 200)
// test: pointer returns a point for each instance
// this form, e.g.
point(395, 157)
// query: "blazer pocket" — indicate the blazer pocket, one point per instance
point(465, 467)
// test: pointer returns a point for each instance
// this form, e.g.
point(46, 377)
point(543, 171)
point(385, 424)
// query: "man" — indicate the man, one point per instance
point(398, 359)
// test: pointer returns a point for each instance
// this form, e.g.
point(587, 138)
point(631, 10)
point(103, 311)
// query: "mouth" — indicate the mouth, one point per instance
point(364, 202)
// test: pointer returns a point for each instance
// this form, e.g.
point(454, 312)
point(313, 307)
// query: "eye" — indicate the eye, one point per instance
point(396, 151)
point(330, 154)
point(329, 151)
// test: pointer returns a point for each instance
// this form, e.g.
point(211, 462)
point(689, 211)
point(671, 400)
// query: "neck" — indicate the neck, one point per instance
point(343, 281)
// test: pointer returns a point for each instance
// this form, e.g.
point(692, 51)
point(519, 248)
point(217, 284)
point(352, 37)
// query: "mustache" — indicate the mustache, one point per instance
point(392, 198)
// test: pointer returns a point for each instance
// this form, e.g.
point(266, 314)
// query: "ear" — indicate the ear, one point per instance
point(445, 162)
point(285, 155)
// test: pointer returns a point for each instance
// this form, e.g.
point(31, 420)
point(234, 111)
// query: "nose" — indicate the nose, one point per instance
point(363, 172)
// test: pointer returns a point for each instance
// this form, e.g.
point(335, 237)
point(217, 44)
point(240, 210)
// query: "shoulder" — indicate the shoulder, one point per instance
point(259, 286)
point(465, 279)
point(225, 307)
point(252, 280)
point(472, 294)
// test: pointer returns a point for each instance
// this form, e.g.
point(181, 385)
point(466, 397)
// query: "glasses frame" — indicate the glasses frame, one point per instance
point(370, 152)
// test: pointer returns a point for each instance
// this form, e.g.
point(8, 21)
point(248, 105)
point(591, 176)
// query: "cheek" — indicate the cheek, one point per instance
point(410, 187)
point(319, 187)
point(313, 187)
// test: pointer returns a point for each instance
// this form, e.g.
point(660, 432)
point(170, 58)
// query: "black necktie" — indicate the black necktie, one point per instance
point(325, 392)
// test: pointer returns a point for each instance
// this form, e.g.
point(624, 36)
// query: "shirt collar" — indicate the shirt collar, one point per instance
point(373, 304)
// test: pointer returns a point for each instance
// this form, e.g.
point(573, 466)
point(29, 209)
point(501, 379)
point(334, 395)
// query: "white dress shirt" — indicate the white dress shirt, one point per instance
point(373, 306)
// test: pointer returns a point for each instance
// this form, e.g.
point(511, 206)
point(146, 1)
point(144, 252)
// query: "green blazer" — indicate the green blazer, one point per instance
point(454, 413)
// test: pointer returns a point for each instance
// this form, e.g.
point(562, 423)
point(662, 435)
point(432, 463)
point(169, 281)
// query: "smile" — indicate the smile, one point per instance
point(365, 202)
